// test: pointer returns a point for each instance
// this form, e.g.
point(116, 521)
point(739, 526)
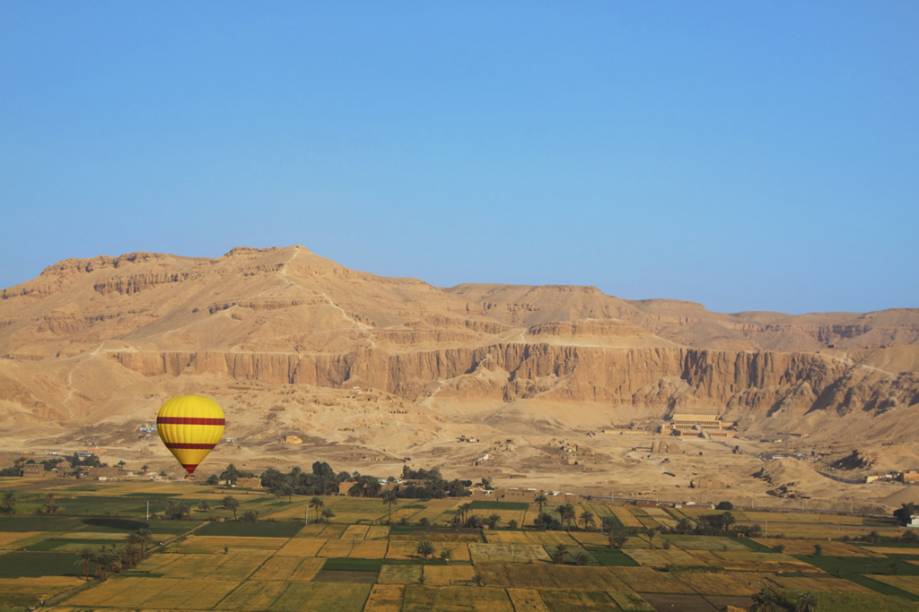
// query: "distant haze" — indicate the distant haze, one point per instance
point(742, 156)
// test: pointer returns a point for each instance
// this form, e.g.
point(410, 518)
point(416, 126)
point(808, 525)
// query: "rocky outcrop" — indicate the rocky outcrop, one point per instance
point(135, 283)
point(664, 377)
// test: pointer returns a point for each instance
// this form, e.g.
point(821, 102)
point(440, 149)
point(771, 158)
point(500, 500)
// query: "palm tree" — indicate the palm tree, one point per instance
point(650, 532)
point(567, 514)
point(145, 538)
point(51, 506)
point(390, 497)
point(316, 504)
point(617, 538)
point(86, 556)
point(587, 519)
point(463, 509)
point(541, 500)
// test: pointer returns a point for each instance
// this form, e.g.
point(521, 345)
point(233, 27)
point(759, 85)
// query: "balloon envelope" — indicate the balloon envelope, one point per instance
point(190, 426)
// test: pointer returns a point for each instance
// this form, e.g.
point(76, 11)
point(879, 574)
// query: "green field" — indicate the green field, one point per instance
point(498, 505)
point(355, 562)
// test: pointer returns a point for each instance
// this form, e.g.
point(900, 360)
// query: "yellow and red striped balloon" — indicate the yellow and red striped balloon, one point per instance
point(190, 426)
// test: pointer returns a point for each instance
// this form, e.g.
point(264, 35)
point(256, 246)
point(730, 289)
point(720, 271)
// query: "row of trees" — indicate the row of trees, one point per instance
point(75, 461)
point(322, 480)
point(111, 560)
point(8, 504)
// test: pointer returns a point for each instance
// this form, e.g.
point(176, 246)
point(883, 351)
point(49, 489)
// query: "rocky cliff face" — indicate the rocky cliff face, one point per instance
point(289, 317)
point(763, 381)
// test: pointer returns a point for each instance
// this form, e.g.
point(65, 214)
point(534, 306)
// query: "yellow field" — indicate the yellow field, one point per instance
point(694, 542)
point(355, 532)
point(625, 517)
point(627, 599)
point(806, 547)
point(591, 538)
point(446, 575)
point(438, 510)
point(307, 570)
point(370, 549)
point(418, 598)
point(509, 552)
point(216, 544)
point(657, 513)
point(336, 548)
point(311, 530)
point(724, 583)
point(646, 580)
point(527, 600)
point(547, 576)
point(659, 557)
point(821, 583)
point(9, 539)
point(322, 596)
point(399, 574)
point(550, 538)
point(385, 598)
point(41, 587)
point(253, 595)
point(910, 584)
point(155, 592)
point(276, 568)
point(492, 536)
point(378, 532)
point(235, 565)
point(302, 547)
point(750, 561)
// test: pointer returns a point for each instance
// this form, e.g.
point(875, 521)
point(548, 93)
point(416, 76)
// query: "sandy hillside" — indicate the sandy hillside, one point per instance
point(368, 371)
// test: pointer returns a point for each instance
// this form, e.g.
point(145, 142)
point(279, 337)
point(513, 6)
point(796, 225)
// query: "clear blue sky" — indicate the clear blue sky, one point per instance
point(747, 155)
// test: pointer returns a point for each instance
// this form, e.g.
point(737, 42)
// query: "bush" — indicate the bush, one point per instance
point(724, 505)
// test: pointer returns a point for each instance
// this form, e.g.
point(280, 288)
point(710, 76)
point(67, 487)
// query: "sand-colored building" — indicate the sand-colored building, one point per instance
point(249, 482)
point(105, 473)
point(710, 425)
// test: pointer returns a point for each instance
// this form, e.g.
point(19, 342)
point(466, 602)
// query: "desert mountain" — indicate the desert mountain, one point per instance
point(93, 343)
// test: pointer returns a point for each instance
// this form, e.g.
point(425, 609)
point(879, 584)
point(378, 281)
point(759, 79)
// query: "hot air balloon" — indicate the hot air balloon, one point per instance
point(190, 426)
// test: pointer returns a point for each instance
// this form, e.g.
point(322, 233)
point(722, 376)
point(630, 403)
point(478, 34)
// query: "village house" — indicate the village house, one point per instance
point(34, 470)
point(249, 482)
point(105, 473)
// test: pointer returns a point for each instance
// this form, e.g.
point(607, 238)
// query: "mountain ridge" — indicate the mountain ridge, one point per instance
point(102, 340)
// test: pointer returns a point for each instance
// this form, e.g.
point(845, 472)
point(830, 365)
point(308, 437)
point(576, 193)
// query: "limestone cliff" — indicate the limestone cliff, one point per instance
point(285, 316)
